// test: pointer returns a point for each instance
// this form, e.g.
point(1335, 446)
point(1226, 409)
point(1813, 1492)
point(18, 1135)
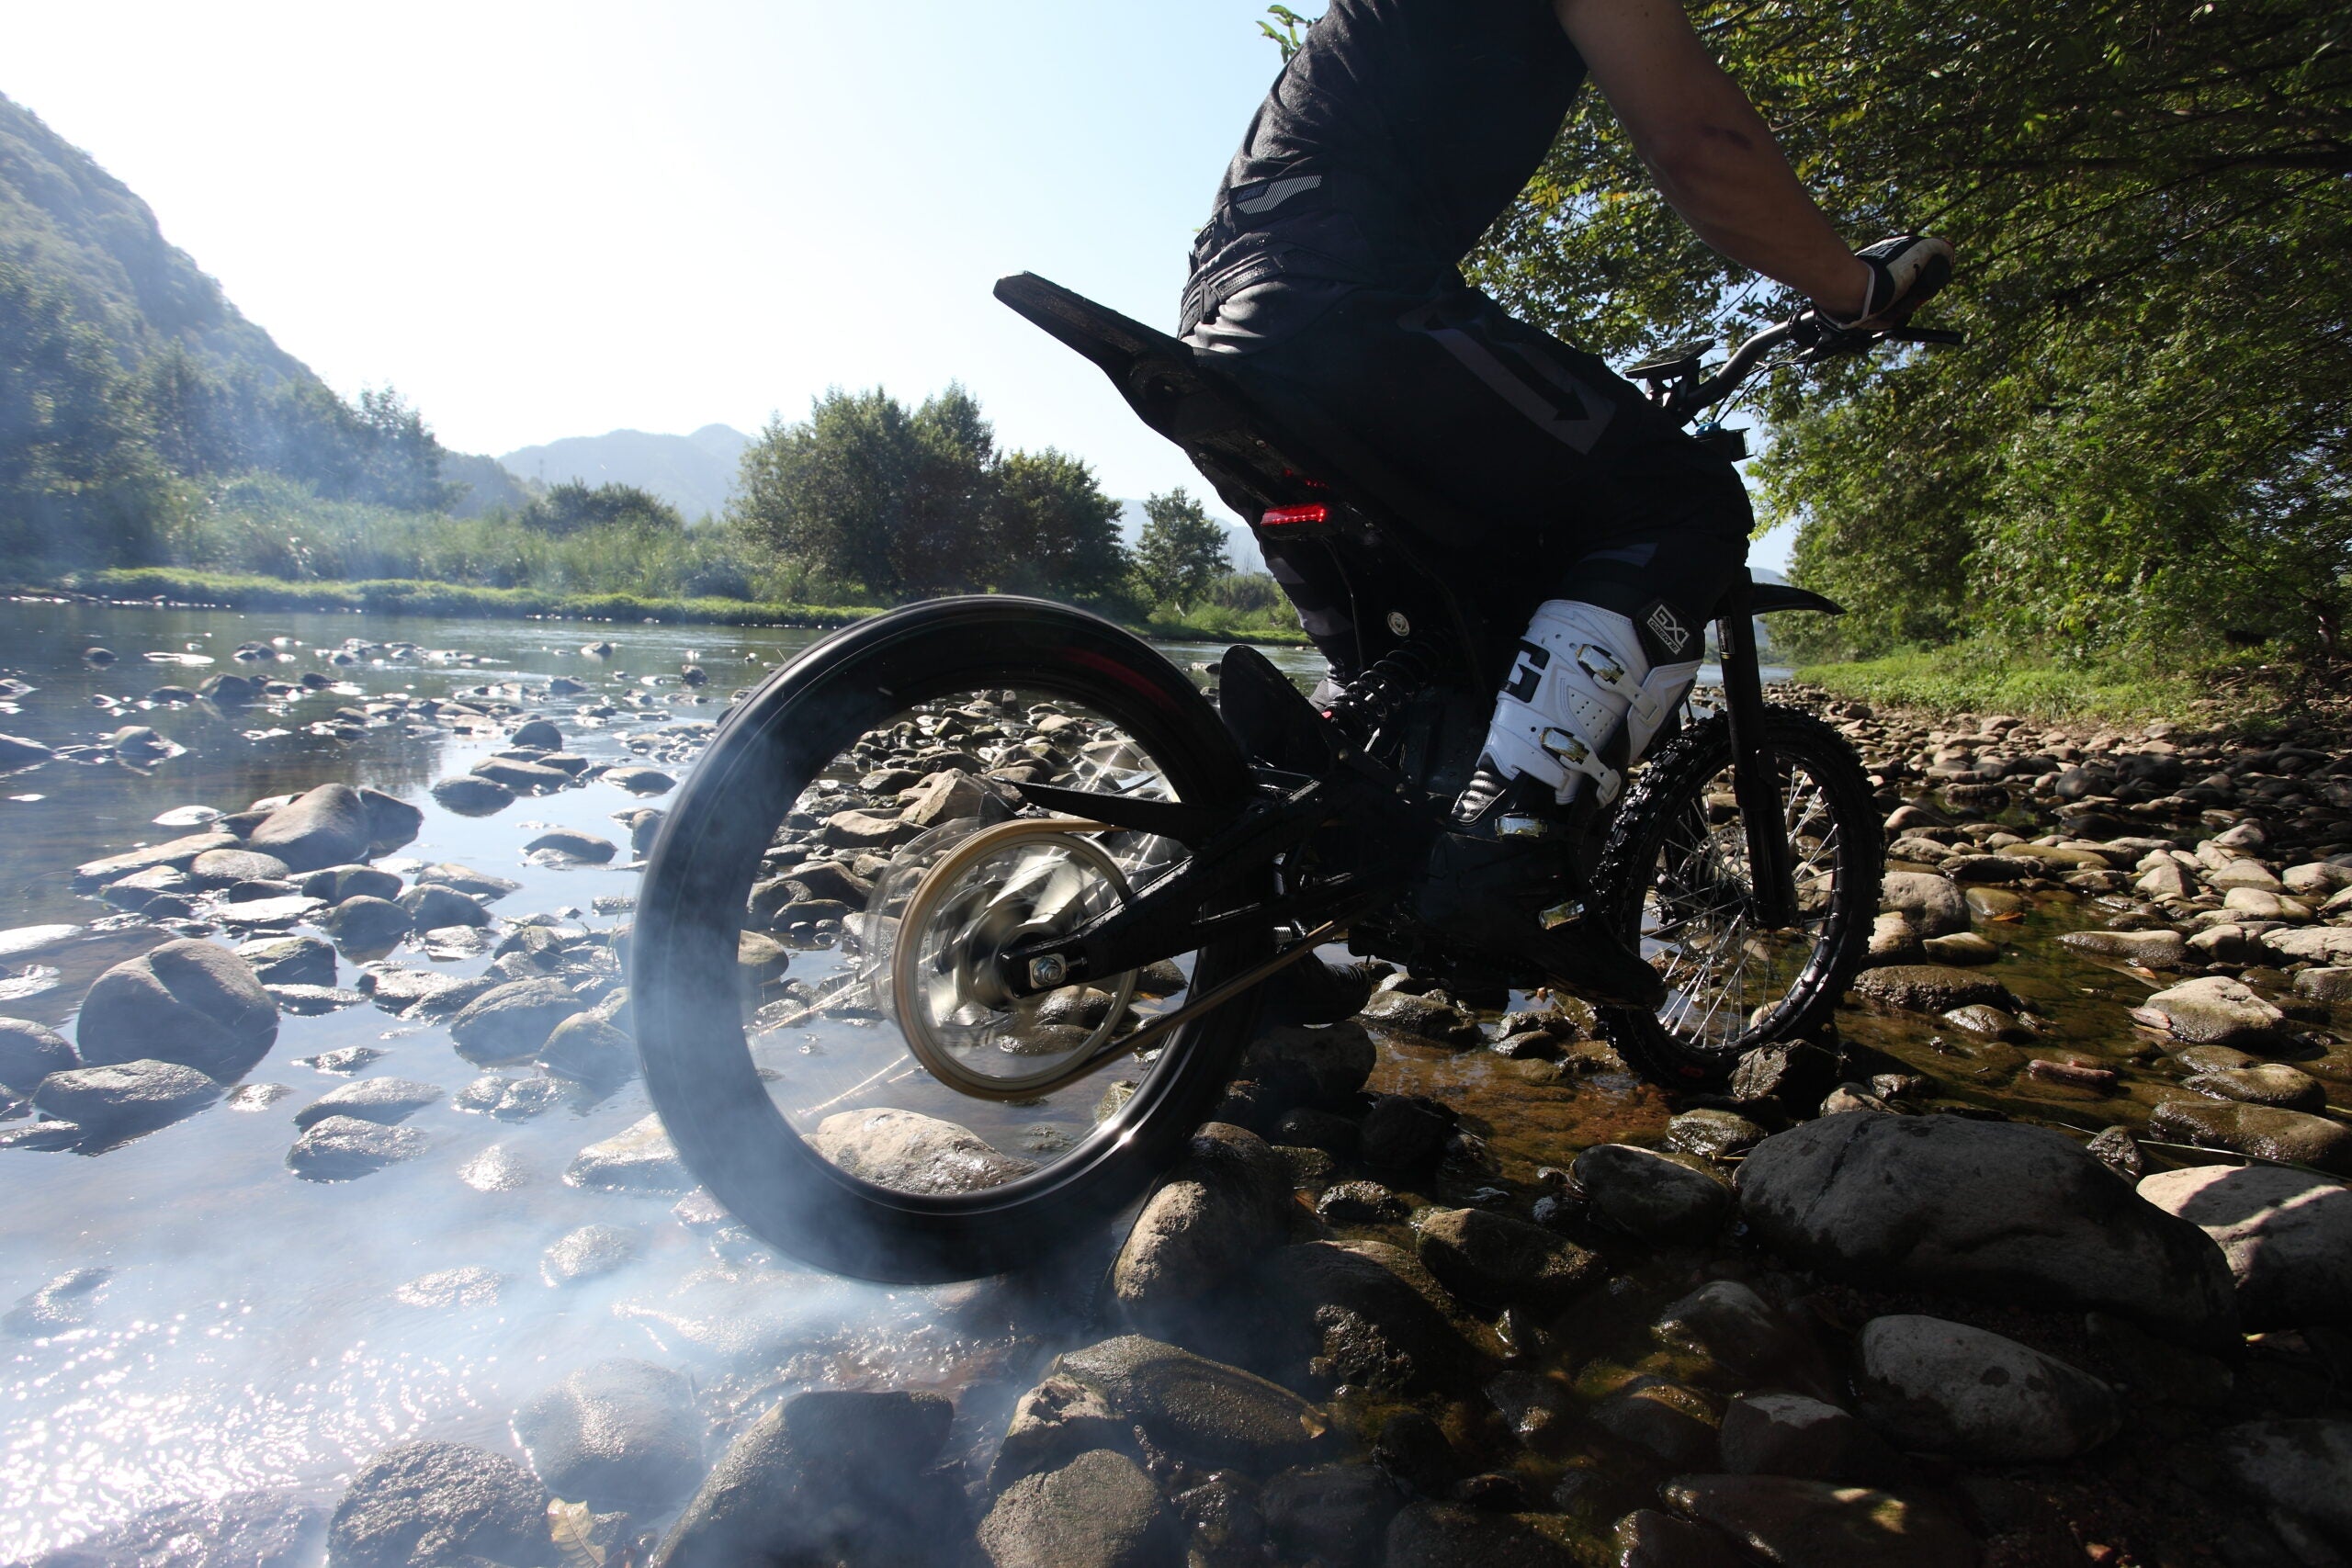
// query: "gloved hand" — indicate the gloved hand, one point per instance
point(1906, 273)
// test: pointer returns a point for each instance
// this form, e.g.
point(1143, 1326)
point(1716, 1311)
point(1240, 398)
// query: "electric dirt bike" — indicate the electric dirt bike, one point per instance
point(955, 933)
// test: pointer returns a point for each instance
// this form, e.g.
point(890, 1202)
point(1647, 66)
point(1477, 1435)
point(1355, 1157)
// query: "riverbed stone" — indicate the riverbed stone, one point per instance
point(391, 821)
point(343, 1148)
point(470, 794)
point(431, 906)
point(589, 1252)
point(1053, 1424)
point(1650, 1195)
point(1330, 1513)
point(511, 1021)
point(1800, 1523)
point(1712, 1132)
point(913, 1153)
point(1310, 1066)
point(1931, 987)
point(2150, 950)
point(586, 1049)
point(176, 853)
point(2301, 1467)
point(1794, 1434)
point(1673, 1423)
point(1098, 1511)
point(1931, 904)
point(2255, 1129)
point(1445, 1535)
point(117, 1099)
point(1426, 1018)
point(1361, 1311)
point(384, 1100)
point(571, 843)
point(641, 781)
point(521, 777)
point(2212, 1010)
point(2311, 945)
point(184, 1001)
point(1223, 1205)
point(424, 1504)
point(1940, 1387)
point(1993, 1209)
point(326, 826)
point(2286, 1235)
point(365, 924)
point(1198, 1409)
point(223, 868)
point(30, 1052)
point(2261, 1083)
point(641, 1159)
point(1491, 1260)
point(828, 1476)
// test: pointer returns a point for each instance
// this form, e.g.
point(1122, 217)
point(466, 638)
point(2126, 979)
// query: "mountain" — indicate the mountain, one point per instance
point(693, 473)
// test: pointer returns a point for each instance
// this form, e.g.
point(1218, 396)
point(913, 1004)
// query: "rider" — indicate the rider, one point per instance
point(1327, 281)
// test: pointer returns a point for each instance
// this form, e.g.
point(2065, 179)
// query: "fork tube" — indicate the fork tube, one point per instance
point(1754, 779)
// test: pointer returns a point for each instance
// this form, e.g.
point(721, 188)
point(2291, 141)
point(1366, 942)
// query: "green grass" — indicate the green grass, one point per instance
point(1973, 678)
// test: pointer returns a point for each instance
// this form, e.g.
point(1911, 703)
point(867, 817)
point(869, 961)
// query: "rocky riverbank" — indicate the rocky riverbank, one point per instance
point(2040, 1257)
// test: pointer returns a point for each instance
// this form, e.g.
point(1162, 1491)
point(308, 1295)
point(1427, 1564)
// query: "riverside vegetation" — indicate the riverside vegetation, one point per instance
point(2037, 1257)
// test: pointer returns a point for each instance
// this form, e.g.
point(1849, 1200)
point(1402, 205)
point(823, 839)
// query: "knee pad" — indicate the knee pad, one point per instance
point(1583, 702)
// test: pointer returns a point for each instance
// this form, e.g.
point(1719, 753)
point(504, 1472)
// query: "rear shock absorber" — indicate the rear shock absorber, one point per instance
point(1367, 703)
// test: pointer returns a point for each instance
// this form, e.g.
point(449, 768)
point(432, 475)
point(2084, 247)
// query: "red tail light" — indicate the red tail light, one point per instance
point(1281, 516)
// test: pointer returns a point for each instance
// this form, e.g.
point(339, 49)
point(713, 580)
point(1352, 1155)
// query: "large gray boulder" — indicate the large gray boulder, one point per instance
point(328, 826)
point(1310, 1066)
point(2287, 1234)
point(423, 1505)
point(124, 1098)
point(1984, 1209)
point(1098, 1511)
point(615, 1434)
point(1940, 1387)
point(1219, 1211)
point(186, 1001)
point(825, 1477)
point(30, 1052)
point(1651, 1195)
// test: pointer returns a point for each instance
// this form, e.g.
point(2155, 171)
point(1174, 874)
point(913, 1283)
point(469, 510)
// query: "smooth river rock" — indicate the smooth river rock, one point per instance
point(1198, 1409)
point(1098, 1511)
point(328, 826)
point(1223, 1205)
point(2302, 1467)
point(426, 1504)
point(385, 1101)
point(511, 1021)
point(343, 1148)
point(1991, 1209)
point(1940, 1387)
point(2287, 1234)
point(913, 1152)
point(184, 1001)
point(30, 1052)
point(124, 1098)
point(1650, 1195)
point(642, 1159)
point(2255, 1129)
point(615, 1434)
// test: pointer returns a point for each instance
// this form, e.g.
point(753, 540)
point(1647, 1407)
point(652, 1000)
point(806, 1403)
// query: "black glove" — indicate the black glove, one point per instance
point(1906, 273)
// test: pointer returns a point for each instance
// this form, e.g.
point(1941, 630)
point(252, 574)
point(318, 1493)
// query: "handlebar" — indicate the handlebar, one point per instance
point(1677, 386)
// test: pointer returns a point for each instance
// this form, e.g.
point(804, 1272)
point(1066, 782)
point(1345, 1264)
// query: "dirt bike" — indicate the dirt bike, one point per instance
point(956, 932)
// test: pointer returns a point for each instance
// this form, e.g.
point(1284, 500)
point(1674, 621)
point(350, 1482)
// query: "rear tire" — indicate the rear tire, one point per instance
point(1673, 872)
point(686, 993)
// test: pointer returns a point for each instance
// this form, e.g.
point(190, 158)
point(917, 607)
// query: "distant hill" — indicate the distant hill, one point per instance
point(693, 473)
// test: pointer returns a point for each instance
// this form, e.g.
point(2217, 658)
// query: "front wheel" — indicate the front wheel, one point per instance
point(1675, 871)
point(836, 881)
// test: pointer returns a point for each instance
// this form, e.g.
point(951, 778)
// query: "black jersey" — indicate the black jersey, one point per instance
point(1399, 131)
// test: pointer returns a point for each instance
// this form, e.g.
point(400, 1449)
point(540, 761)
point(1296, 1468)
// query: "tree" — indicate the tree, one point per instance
point(1182, 550)
point(2150, 440)
point(1054, 531)
point(573, 506)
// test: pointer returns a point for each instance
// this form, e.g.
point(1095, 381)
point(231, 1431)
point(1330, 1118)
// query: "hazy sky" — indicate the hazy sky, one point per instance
point(540, 220)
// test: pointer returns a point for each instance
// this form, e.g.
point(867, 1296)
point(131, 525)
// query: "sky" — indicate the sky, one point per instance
point(542, 221)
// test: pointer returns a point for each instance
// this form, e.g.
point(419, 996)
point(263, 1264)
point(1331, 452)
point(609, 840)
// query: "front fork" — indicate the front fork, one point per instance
point(1755, 781)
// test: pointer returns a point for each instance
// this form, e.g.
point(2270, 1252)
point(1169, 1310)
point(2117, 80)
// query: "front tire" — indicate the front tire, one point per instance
point(1674, 873)
point(779, 752)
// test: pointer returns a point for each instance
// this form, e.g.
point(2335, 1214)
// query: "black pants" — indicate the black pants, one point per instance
point(1560, 481)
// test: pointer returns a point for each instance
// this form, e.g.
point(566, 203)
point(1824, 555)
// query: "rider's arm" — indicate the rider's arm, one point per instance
point(1710, 152)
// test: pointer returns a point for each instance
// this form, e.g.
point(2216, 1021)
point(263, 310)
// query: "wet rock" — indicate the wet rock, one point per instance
point(254, 913)
point(244, 1530)
point(1931, 987)
point(521, 777)
point(1098, 1511)
point(913, 1153)
point(589, 1253)
point(343, 1148)
point(1536, 1408)
point(45, 1136)
point(2311, 945)
point(1491, 1260)
point(223, 868)
point(1931, 904)
point(496, 1169)
point(383, 1100)
point(1673, 1424)
point(470, 794)
point(1785, 1520)
point(477, 885)
point(1442, 1535)
point(539, 733)
point(328, 826)
point(1361, 1312)
point(1361, 1203)
point(2303, 1468)
point(615, 1434)
point(367, 924)
point(424, 1504)
point(2255, 1129)
point(511, 1021)
point(2286, 1235)
point(391, 821)
point(1310, 1066)
point(430, 907)
point(1727, 1323)
point(176, 854)
point(184, 1001)
point(470, 1287)
point(2117, 1149)
point(1946, 1388)
point(2264, 1083)
point(509, 1099)
point(586, 1049)
point(30, 1052)
point(1404, 1133)
point(399, 989)
point(289, 961)
point(571, 843)
point(641, 781)
point(1222, 1206)
point(1330, 1513)
point(1195, 1408)
point(1053, 1424)
point(1425, 1019)
point(1978, 1208)
point(1791, 1434)
point(1713, 1133)
point(826, 1477)
point(642, 1159)
point(1650, 1195)
point(1891, 942)
point(140, 890)
point(2210, 1009)
point(64, 1302)
point(761, 958)
point(1647, 1538)
point(121, 1099)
